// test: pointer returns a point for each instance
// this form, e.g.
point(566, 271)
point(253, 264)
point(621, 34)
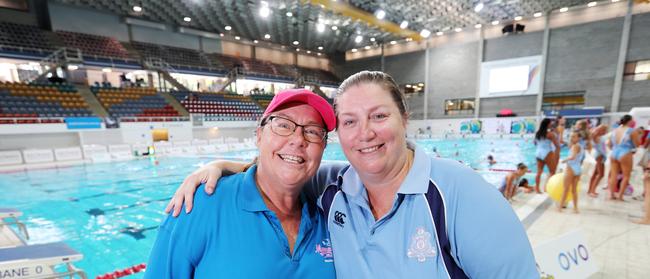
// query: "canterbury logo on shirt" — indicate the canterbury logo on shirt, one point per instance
point(339, 218)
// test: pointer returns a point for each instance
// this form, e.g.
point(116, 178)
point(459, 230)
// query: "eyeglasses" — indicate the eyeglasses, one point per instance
point(285, 127)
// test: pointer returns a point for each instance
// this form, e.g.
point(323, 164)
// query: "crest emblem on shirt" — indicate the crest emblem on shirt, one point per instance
point(421, 246)
point(325, 250)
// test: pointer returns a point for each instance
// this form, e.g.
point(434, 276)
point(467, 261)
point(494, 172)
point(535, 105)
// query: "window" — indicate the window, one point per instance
point(564, 100)
point(411, 88)
point(637, 70)
point(459, 106)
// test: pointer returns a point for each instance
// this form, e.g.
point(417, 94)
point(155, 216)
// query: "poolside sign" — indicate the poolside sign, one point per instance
point(83, 122)
point(565, 257)
point(26, 271)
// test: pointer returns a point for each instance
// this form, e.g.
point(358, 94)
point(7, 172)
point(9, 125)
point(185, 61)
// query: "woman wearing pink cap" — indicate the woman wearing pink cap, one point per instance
point(395, 212)
point(258, 217)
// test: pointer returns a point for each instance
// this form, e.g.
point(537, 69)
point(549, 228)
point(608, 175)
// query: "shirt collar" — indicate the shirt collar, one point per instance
point(416, 181)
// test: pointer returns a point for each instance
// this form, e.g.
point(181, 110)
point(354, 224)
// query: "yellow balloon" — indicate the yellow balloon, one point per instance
point(555, 187)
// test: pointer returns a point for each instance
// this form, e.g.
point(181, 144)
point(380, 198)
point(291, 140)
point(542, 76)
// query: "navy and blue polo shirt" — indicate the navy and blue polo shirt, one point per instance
point(446, 222)
point(232, 234)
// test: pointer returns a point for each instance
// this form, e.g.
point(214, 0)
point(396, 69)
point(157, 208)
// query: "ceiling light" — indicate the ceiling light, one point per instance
point(319, 54)
point(592, 4)
point(409, 39)
point(408, 86)
point(187, 19)
point(354, 50)
point(289, 14)
point(367, 47)
point(309, 51)
point(320, 48)
point(72, 67)
point(320, 27)
point(267, 36)
point(439, 33)
point(518, 18)
point(380, 14)
point(537, 14)
point(478, 7)
point(358, 39)
point(420, 84)
point(478, 25)
point(614, 1)
point(372, 39)
point(425, 33)
point(495, 22)
point(458, 29)
point(393, 42)
point(221, 34)
point(564, 9)
point(334, 27)
point(107, 70)
point(255, 41)
point(265, 11)
point(295, 43)
point(137, 9)
point(404, 24)
point(297, 49)
point(237, 38)
point(228, 27)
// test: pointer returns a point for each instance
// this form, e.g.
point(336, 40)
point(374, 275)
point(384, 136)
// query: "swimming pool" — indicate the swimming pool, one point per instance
point(110, 211)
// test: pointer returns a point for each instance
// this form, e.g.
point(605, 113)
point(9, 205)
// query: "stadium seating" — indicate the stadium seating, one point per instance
point(262, 100)
point(21, 100)
point(175, 56)
point(133, 102)
point(217, 106)
point(24, 38)
point(93, 45)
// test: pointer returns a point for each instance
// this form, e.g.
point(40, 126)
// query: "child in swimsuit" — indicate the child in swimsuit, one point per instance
point(573, 171)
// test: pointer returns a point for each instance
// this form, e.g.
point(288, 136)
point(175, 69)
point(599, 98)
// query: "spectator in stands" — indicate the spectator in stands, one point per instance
point(96, 84)
point(261, 216)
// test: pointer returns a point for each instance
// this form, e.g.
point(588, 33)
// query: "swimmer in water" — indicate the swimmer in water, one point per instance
point(491, 160)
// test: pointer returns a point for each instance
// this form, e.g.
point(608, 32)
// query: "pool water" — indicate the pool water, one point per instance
point(110, 211)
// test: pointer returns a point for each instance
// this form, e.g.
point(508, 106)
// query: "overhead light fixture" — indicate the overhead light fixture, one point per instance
point(495, 22)
point(458, 29)
point(614, 1)
point(320, 47)
point(72, 67)
point(420, 84)
point(264, 10)
point(592, 4)
point(237, 38)
point(221, 34)
point(537, 14)
point(187, 19)
point(380, 14)
point(479, 7)
point(518, 18)
point(319, 54)
point(297, 49)
point(425, 33)
point(267, 36)
point(372, 39)
point(320, 27)
point(137, 9)
point(255, 41)
point(409, 39)
point(295, 43)
point(334, 27)
point(228, 27)
point(354, 50)
point(289, 14)
point(404, 24)
point(107, 70)
point(478, 26)
point(358, 39)
point(367, 47)
point(408, 86)
point(439, 33)
point(309, 51)
point(564, 9)
point(393, 42)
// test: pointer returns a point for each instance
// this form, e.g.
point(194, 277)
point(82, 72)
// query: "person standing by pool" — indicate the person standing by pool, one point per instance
point(600, 154)
point(398, 213)
point(622, 143)
point(259, 217)
point(547, 144)
point(573, 171)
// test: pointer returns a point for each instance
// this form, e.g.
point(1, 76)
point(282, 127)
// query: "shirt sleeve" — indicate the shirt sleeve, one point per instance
point(327, 174)
point(487, 239)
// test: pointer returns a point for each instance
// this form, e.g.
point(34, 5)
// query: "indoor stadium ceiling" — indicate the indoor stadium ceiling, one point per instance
point(311, 23)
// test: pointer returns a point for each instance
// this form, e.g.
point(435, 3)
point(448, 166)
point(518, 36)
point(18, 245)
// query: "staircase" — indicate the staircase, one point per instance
point(232, 77)
point(163, 68)
point(93, 104)
point(174, 103)
point(60, 58)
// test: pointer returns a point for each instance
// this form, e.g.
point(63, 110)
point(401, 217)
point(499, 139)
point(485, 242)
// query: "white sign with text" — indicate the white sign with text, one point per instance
point(566, 257)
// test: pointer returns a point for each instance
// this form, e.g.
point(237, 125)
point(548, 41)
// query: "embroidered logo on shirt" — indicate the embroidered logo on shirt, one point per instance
point(325, 250)
point(421, 247)
point(339, 218)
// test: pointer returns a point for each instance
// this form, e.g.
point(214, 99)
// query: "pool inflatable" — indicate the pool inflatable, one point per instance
point(555, 186)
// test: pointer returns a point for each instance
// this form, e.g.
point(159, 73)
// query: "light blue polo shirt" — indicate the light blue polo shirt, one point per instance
point(232, 234)
point(485, 237)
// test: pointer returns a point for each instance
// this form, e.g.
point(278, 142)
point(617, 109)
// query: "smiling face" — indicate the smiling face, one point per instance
point(371, 129)
point(289, 160)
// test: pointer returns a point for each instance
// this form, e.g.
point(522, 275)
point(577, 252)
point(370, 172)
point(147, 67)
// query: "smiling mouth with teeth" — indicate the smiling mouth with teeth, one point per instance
point(371, 149)
point(291, 158)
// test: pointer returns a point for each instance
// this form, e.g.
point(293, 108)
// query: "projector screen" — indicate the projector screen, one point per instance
point(510, 77)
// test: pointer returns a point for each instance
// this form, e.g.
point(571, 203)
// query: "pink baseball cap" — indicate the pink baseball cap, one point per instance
point(300, 95)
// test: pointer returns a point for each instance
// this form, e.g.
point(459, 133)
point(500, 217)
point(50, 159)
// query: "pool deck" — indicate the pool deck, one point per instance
point(621, 248)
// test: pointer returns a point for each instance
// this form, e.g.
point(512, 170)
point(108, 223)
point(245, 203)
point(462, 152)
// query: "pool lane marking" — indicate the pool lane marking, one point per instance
point(73, 199)
point(99, 185)
point(99, 211)
point(137, 233)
